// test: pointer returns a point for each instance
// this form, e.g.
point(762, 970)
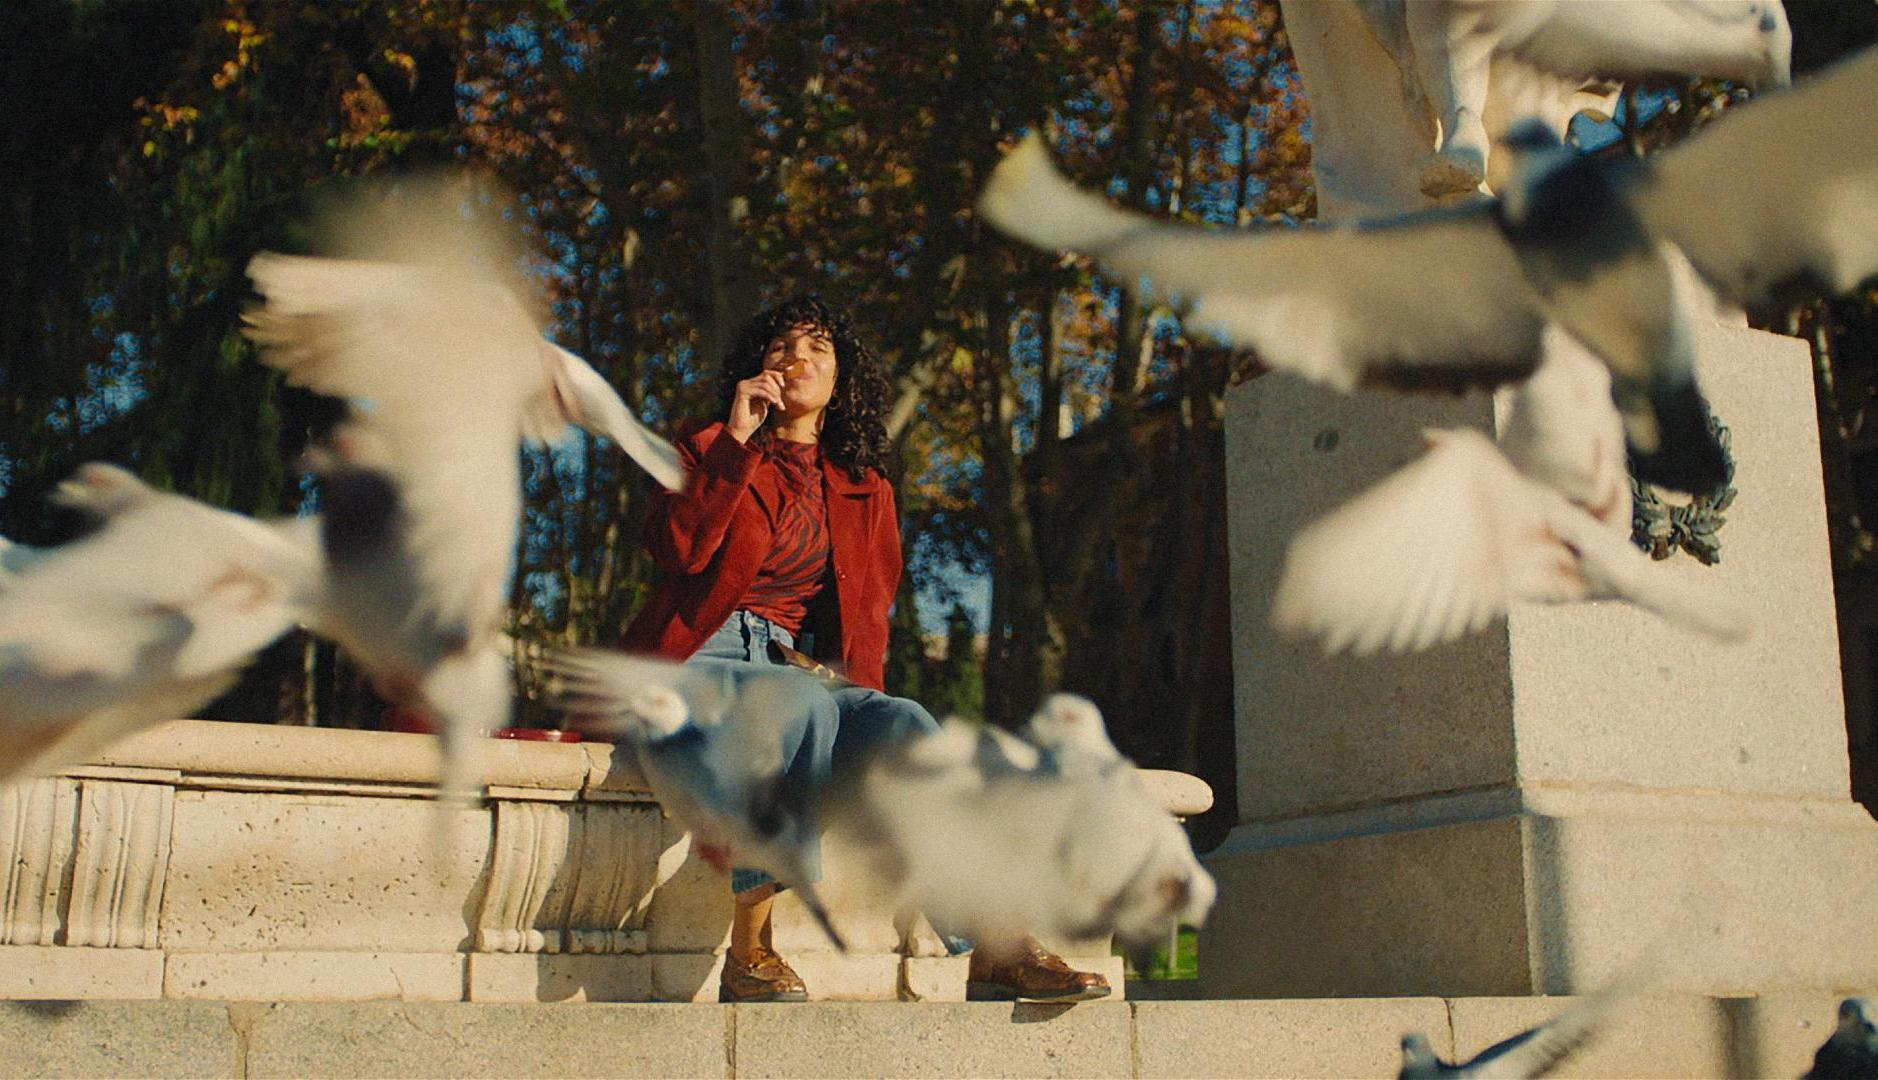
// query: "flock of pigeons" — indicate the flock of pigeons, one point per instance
point(421, 319)
point(1579, 284)
point(1096, 854)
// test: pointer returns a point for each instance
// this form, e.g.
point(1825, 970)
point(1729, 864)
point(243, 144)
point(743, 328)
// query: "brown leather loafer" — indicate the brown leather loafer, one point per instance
point(1033, 973)
point(761, 976)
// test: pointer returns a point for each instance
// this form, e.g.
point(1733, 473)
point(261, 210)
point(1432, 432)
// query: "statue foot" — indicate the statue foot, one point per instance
point(1455, 170)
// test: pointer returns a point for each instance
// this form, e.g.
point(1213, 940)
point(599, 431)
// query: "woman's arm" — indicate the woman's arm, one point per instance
point(684, 529)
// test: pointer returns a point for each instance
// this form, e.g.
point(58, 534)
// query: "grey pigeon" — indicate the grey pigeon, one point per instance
point(1447, 543)
point(1852, 1051)
point(1774, 199)
point(428, 327)
point(1530, 1053)
point(143, 620)
point(1053, 833)
point(711, 747)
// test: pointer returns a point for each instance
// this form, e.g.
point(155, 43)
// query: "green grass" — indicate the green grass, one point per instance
point(1184, 964)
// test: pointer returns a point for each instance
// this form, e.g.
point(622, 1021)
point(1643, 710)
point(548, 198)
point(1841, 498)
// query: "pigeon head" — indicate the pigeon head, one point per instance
point(1069, 722)
point(1855, 1020)
point(1418, 1058)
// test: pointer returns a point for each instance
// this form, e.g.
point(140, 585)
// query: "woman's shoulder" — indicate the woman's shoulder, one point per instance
point(864, 479)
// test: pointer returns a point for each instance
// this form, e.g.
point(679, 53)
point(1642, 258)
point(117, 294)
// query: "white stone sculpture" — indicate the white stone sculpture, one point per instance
point(1407, 96)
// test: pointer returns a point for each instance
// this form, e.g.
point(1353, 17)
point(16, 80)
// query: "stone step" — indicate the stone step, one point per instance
point(1659, 1036)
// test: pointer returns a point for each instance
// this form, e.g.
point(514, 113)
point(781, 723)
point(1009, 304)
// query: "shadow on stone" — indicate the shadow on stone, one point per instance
point(1038, 1012)
point(49, 1010)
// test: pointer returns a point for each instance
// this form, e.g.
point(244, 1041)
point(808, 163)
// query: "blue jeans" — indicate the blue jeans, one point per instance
point(837, 731)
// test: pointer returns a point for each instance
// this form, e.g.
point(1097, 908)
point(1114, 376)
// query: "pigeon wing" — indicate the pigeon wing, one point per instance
point(1779, 195)
point(1411, 562)
point(1613, 567)
point(1534, 1053)
point(641, 697)
point(1434, 300)
point(427, 349)
point(583, 396)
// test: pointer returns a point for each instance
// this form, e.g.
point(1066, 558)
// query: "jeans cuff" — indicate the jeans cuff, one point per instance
point(742, 880)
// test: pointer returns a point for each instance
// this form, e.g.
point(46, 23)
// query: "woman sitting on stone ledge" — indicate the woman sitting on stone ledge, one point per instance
point(787, 533)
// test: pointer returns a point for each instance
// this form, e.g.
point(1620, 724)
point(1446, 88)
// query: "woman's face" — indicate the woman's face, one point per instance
point(805, 354)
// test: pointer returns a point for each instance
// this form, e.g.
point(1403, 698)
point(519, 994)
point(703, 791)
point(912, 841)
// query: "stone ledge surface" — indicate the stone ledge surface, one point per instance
point(62, 973)
point(1673, 1035)
point(185, 751)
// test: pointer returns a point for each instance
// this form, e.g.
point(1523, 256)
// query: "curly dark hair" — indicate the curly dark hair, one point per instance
point(854, 431)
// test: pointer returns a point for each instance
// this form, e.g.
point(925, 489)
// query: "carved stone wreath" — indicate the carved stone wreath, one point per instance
point(1662, 528)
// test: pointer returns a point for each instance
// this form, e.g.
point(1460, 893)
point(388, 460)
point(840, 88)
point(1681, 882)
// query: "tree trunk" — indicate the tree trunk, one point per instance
point(724, 145)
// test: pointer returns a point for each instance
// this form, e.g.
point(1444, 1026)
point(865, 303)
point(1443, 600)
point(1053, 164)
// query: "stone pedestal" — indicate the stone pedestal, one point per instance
point(1578, 791)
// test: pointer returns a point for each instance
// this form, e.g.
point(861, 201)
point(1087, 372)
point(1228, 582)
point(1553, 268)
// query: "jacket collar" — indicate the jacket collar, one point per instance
point(836, 481)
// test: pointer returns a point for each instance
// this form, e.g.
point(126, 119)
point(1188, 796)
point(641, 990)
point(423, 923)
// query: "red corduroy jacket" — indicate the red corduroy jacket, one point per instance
point(710, 539)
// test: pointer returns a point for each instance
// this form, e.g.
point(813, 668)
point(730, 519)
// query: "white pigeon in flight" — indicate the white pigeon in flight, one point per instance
point(426, 325)
point(1446, 544)
point(1053, 833)
point(1777, 195)
point(1561, 429)
point(711, 746)
point(146, 619)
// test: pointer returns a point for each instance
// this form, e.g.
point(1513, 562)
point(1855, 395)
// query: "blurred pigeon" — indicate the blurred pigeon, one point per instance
point(1560, 429)
point(1444, 545)
point(711, 747)
point(427, 327)
point(144, 620)
point(1852, 1051)
point(1530, 1053)
point(1775, 197)
point(586, 399)
point(1053, 833)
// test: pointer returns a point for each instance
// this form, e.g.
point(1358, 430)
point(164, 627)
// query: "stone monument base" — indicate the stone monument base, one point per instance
point(1549, 890)
point(1577, 793)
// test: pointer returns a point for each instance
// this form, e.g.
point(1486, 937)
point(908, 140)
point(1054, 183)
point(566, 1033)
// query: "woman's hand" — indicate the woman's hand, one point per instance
point(755, 397)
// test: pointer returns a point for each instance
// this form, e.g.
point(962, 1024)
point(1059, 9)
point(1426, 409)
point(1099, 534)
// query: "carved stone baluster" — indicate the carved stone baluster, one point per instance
point(122, 851)
point(37, 822)
point(617, 872)
point(531, 842)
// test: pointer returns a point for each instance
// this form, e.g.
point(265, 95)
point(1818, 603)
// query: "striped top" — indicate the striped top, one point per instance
point(797, 566)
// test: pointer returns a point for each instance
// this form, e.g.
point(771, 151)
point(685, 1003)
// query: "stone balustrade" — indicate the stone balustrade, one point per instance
point(242, 862)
